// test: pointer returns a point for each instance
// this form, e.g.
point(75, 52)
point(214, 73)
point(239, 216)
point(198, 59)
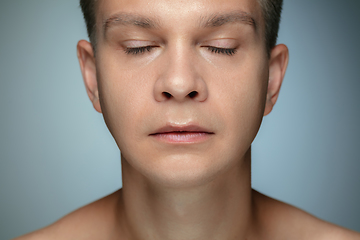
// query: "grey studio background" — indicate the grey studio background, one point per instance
point(56, 153)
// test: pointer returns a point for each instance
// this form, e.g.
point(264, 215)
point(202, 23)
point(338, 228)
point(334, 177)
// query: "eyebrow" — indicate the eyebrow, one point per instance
point(215, 20)
point(218, 20)
point(129, 19)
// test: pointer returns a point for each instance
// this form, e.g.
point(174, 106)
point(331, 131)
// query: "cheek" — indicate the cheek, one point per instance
point(125, 102)
point(240, 99)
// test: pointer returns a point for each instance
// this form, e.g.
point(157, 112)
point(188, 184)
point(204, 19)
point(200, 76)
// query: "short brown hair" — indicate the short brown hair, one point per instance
point(271, 11)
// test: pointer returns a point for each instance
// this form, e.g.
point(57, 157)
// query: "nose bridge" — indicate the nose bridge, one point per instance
point(181, 74)
point(180, 79)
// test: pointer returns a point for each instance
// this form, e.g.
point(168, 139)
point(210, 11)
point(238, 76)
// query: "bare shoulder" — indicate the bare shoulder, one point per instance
point(283, 221)
point(88, 222)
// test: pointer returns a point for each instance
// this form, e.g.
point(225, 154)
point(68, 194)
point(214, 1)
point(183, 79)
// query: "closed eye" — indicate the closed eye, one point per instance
point(227, 51)
point(138, 50)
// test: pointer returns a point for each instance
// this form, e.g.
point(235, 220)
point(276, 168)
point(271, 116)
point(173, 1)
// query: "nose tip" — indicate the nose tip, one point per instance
point(181, 90)
point(180, 81)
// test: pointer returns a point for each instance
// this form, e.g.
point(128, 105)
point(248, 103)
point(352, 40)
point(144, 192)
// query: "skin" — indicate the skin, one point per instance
point(189, 185)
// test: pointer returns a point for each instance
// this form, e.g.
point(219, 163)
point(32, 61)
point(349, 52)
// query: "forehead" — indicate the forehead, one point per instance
point(179, 12)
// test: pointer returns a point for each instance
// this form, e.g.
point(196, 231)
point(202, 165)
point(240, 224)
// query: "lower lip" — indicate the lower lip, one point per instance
point(182, 137)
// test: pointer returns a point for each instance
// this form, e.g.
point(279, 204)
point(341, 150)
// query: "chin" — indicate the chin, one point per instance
point(184, 171)
point(189, 171)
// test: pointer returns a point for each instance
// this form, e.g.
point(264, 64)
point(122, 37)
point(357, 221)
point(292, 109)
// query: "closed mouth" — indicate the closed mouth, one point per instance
point(182, 130)
point(183, 134)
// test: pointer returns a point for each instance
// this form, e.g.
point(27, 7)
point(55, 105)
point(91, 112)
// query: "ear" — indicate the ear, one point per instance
point(85, 54)
point(277, 67)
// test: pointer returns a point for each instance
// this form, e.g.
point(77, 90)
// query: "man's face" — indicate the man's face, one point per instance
point(182, 84)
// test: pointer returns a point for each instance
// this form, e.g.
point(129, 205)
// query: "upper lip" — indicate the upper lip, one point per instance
point(181, 128)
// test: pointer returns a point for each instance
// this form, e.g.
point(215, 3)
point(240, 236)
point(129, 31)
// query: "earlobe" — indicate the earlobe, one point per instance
point(277, 67)
point(86, 58)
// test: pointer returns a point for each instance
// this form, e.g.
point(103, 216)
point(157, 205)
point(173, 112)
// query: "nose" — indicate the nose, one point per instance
point(180, 79)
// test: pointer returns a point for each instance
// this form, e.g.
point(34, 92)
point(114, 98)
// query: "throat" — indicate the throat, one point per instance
point(220, 209)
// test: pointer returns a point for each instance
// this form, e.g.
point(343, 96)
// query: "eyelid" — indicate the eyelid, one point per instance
point(138, 43)
point(221, 43)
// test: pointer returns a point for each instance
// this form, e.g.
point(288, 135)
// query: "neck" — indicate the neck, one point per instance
point(219, 209)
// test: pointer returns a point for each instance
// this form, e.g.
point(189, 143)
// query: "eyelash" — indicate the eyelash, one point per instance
point(140, 50)
point(227, 51)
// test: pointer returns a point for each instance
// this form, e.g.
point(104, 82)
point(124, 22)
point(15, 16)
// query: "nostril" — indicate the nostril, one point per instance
point(193, 94)
point(166, 94)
